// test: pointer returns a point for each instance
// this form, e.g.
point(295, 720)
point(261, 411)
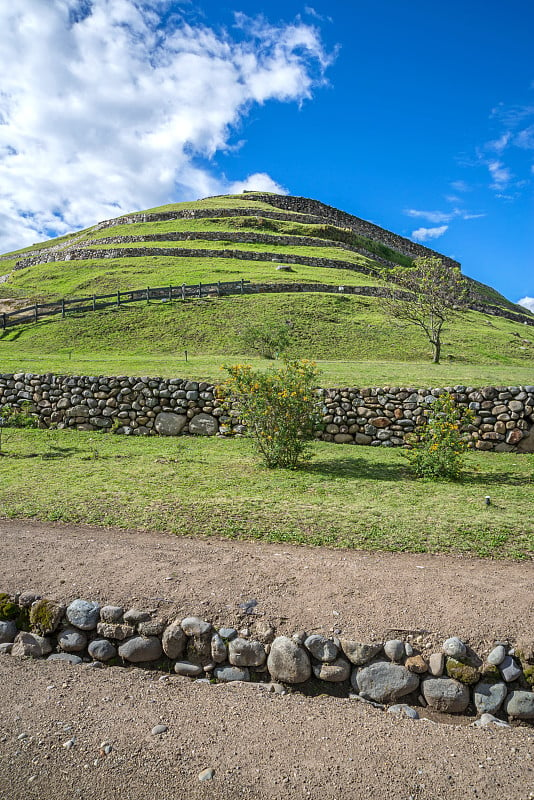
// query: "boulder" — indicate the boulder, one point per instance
point(203, 425)
point(72, 641)
point(384, 682)
point(288, 662)
point(169, 424)
point(520, 705)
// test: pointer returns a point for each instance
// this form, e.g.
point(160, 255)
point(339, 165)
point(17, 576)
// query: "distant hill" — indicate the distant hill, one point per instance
point(282, 241)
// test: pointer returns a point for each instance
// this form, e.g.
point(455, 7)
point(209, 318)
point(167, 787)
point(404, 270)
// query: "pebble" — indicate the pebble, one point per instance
point(69, 743)
point(394, 649)
point(227, 633)
point(489, 719)
point(206, 774)
point(157, 729)
point(509, 669)
point(403, 710)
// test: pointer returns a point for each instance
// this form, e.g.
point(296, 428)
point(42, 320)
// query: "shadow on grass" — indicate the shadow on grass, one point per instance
point(357, 468)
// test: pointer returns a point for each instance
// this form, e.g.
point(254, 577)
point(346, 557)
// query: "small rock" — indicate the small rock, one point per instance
point(69, 744)
point(111, 613)
point(227, 633)
point(445, 694)
point(133, 616)
point(152, 627)
point(403, 710)
point(229, 674)
point(246, 653)
point(489, 697)
point(277, 688)
point(408, 649)
point(8, 631)
point(141, 648)
point(497, 655)
point(321, 648)
point(174, 640)
point(6, 648)
point(436, 664)
point(218, 649)
point(30, 644)
point(394, 649)
point(358, 653)
point(520, 705)
point(488, 719)
point(416, 664)
point(72, 641)
point(69, 658)
point(157, 729)
point(115, 631)
point(194, 626)
point(45, 616)
point(332, 671)
point(206, 774)
point(83, 614)
point(509, 669)
point(102, 650)
point(454, 647)
point(383, 682)
point(288, 662)
point(187, 669)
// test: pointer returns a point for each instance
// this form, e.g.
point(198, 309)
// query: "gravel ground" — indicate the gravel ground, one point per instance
point(73, 732)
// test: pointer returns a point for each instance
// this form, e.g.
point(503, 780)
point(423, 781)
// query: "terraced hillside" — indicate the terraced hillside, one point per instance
point(284, 246)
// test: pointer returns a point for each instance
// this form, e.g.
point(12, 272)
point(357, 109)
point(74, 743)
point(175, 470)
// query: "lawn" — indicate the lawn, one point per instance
point(348, 496)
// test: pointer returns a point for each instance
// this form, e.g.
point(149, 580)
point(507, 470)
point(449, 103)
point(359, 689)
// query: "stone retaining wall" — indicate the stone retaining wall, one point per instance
point(503, 418)
point(449, 678)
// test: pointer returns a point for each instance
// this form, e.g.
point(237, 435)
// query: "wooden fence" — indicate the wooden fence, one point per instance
point(95, 302)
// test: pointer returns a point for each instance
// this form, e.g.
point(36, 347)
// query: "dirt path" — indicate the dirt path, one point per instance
point(260, 745)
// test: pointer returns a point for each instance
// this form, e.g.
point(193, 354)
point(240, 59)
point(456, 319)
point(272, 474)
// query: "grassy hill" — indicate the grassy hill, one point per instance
point(247, 236)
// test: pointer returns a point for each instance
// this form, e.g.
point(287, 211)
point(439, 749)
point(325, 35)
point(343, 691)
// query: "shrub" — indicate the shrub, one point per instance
point(269, 340)
point(437, 451)
point(279, 407)
point(18, 417)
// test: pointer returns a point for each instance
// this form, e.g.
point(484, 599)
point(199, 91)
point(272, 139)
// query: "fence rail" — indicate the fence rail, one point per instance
point(96, 302)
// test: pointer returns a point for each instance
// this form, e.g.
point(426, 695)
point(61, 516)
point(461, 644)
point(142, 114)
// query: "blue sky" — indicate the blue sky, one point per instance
point(417, 116)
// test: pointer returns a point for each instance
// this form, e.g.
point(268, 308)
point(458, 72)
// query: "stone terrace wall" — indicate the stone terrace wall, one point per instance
point(381, 417)
point(449, 677)
point(304, 205)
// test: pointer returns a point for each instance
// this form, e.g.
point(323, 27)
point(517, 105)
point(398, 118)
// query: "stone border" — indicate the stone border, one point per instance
point(380, 417)
point(453, 679)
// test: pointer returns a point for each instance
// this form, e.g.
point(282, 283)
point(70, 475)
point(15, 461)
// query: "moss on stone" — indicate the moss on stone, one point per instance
point(462, 672)
point(528, 672)
point(490, 674)
point(8, 609)
point(45, 616)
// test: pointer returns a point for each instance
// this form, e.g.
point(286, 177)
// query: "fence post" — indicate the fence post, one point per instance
point(200, 290)
point(4, 321)
point(170, 292)
point(118, 298)
point(183, 291)
point(242, 286)
point(35, 312)
point(62, 308)
point(148, 294)
point(94, 303)
point(218, 288)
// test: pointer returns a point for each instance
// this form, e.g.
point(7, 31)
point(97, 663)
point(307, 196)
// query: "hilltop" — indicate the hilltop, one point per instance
point(290, 245)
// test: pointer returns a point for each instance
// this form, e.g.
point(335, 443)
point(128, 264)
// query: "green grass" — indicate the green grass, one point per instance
point(350, 337)
point(350, 497)
point(79, 278)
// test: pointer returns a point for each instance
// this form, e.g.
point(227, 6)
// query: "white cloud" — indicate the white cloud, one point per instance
point(431, 216)
point(527, 302)
point(107, 111)
point(500, 144)
point(423, 234)
point(501, 175)
point(259, 182)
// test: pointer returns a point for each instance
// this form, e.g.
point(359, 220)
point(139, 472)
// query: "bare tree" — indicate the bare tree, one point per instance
point(427, 295)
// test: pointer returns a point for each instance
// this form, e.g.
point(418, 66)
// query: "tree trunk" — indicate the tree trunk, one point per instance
point(436, 344)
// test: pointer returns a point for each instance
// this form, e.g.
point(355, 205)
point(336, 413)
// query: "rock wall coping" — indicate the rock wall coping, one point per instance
point(379, 417)
point(451, 678)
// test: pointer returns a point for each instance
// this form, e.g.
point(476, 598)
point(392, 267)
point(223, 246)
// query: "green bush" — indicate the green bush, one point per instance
point(437, 451)
point(269, 340)
point(279, 407)
point(18, 417)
